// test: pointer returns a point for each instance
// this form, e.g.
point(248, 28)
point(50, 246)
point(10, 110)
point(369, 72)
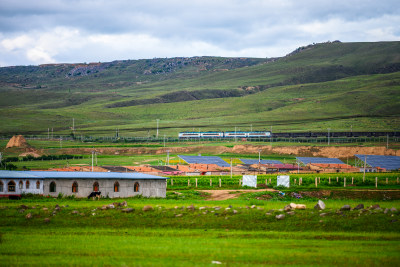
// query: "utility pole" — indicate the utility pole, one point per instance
point(48, 133)
point(365, 166)
point(235, 135)
point(329, 135)
point(259, 160)
point(157, 128)
point(92, 159)
point(387, 141)
point(73, 126)
point(251, 127)
point(231, 168)
point(167, 157)
point(164, 140)
point(60, 141)
point(52, 133)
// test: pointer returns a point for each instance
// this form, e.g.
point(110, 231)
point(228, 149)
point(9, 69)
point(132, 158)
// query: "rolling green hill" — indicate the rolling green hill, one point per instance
point(330, 85)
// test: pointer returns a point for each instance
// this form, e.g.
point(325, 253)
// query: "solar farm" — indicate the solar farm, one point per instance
point(385, 162)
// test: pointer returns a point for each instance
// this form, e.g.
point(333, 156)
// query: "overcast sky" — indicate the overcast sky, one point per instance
point(56, 31)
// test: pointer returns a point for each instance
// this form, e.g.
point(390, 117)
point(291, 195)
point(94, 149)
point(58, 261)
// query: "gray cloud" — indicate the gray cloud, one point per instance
point(33, 32)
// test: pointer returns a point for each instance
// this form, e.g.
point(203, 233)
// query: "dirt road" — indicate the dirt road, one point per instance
point(229, 194)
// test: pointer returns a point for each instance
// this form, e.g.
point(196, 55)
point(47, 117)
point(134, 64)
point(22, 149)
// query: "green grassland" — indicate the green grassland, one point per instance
point(174, 234)
point(335, 85)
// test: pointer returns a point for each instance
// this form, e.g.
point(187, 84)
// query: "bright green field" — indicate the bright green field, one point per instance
point(196, 238)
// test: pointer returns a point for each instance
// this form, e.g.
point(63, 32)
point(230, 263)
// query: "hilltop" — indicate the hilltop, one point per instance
point(333, 84)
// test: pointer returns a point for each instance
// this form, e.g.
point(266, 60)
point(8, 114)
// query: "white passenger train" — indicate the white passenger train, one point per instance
point(194, 135)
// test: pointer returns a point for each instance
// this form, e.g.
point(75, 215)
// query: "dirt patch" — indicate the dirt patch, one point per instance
point(230, 194)
point(17, 141)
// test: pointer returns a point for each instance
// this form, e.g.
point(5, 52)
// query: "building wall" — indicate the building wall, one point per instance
point(147, 188)
point(21, 190)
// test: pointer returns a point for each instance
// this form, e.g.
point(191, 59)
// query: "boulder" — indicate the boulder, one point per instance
point(345, 207)
point(124, 204)
point(320, 205)
point(147, 208)
point(128, 210)
point(280, 216)
point(28, 216)
point(359, 207)
point(110, 206)
point(287, 208)
point(300, 207)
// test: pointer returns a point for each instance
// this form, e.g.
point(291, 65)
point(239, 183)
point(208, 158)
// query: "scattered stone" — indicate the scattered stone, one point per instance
point(345, 207)
point(46, 220)
point(33, 207)
point(191, 207)
point(66, 206)
point(147, 208)
point(280, 210)
point(24, 207)
point(201, 208)
point(28, 216)
point(205, 212)
point(179, 215)
point(268, 214)
point(287, 208)
point(324, 214)
point(110, 206)
point(57, 208)
point(82, 214)
point(253, 206)
point(217, 208)
point(393, 209)
point(127, 210)
point(45, 209)
point(124, 204)
point(320, 205)
point(386, 210)
point(290, 212)
point(271, 211)
point(75, 212)
point(21, 211)
point(374, 207)
point(227, 209)
point(359, 207)
point(321, 221)
point(104, 207)
point(230, 206)
point(216, 262)
point(93, 214)
point(177, 193)
point(300, 207)
point(176, 207)
point(280, 216)
point(260, 208)
point(235, 211)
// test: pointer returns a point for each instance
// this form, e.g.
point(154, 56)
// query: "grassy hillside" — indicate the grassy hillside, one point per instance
point(335, 85)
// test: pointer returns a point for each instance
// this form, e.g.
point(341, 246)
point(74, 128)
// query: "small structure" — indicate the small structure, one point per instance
point(81, 184)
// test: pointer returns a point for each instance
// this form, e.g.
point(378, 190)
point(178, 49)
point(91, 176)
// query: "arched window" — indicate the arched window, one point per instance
point(38, 185)
point(20, 185)
point(11, 186)
point(116, 187)
point(96, 186)
point(1, 186)
point(27, 184)
point(53, 187)
point(75, 187)
point(136, 187)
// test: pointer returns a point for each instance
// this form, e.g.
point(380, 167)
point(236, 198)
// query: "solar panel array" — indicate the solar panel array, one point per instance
point(307, 160)
point(205, 160)
point(263, 161)
point(387, 162)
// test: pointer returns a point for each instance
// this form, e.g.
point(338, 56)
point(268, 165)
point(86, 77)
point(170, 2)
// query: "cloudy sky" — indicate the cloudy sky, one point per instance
point(56, 31)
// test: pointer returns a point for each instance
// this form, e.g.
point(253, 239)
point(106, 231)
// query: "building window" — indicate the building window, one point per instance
point(53, 187)
point(116, 187)
point(75, 187)
point(96, 187)
point(11, 186)
point(27, 184)
point(38, 185)
point(1, 186)
point(136, 187)
point(20, 185)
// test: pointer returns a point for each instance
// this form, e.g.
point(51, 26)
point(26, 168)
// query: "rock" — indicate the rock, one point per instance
point(280, 216)
point(104, 207)
point(324, 214)
point(147, 208)
point(127, 210)
point(75, 212)
point(176, 207)
point(217, 208)
point(21, 211)
point(235, 211)
point(374, 207)
point(216, 262)
point(33, 207)
point(320, 205)
point(260, 208)
point(201, 208)
point(359, 207)
point(253, 206)
point(45, 209)
point(24, 207)
point(191, 207)
point(179, 215)
point(290, 212)
point(110, 206)
point(57, 208)
point(46, 220)
point(93, 214)
point(28, 216)
point(205, 212)
point(227, 209)
point(82, 214)
point(124, 204)
point(386, 210)
point(393, 209)
point(271, 211)
point(345, 207)
point(268, 214)
point(287, 208)
point(300, 207)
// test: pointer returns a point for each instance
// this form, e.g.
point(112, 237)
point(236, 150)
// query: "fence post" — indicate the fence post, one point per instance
point(196, 182)
point(337, 179)
point(376, 182)
point(295, 180)
point(352, 180)
point(329, 180)
point(344, 183)
point(316, 182)
point(386, 180)
point(270, 180)
point(319, 180)
point(172, 182)
point(188, 182)
point(210, 182)
point(397, 179)
point(301, 181)
point(219, 182)
point(266, 181)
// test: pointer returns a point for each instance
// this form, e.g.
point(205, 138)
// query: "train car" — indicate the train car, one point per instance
point(212, 134)
point(258, 134)
point(235, 134)
point(188, 135)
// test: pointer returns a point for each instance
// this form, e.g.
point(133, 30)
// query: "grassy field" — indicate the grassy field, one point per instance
point(175, 234)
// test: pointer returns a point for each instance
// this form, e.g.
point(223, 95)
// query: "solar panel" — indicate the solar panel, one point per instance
point(307, 160)
point(263, 161)
point(387, 162)
point(205, 160)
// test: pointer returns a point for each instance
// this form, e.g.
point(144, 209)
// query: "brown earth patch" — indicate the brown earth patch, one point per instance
point(230, 194)
point(17, 141)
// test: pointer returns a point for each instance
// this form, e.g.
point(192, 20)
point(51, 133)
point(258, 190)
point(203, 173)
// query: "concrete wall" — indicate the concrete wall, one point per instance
point(147, 188)
point(32, 186)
